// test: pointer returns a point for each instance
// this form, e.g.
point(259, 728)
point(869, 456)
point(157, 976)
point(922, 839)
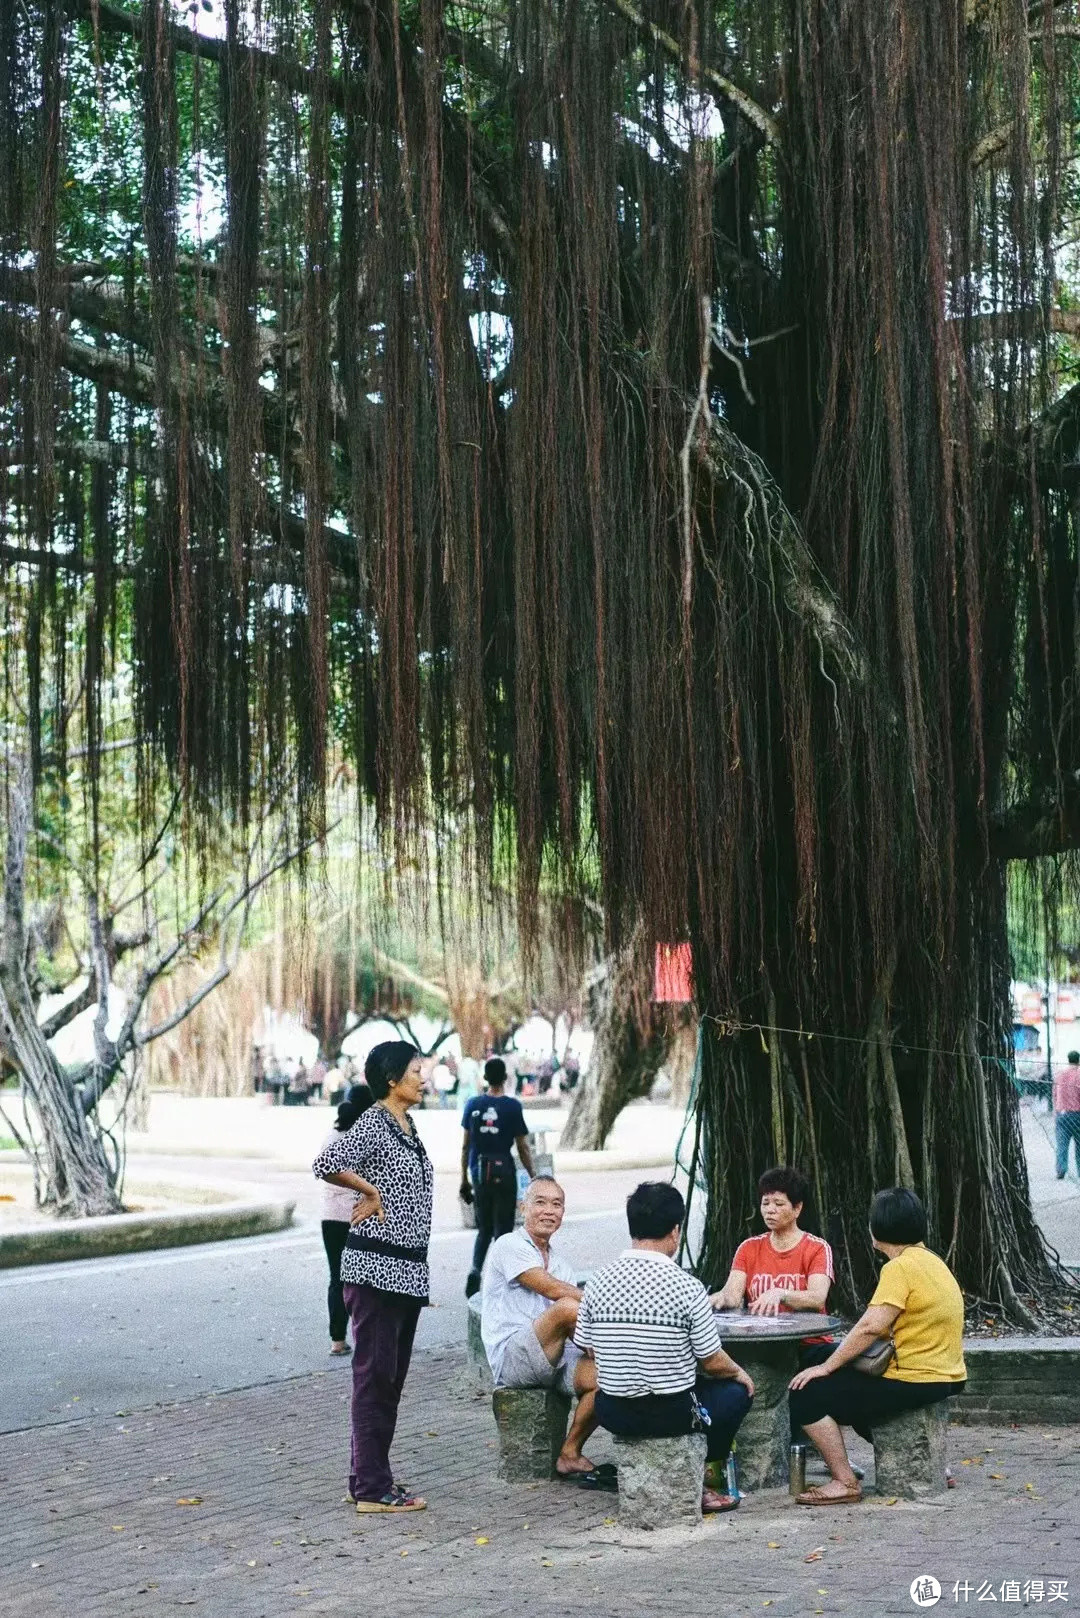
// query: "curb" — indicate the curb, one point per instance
point(140, 1233)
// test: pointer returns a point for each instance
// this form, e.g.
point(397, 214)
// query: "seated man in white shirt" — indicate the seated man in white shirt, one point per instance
point(648, 1325)
point(529, 1308)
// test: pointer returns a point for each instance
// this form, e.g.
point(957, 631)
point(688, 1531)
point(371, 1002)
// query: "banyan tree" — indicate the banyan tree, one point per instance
point(637, 439)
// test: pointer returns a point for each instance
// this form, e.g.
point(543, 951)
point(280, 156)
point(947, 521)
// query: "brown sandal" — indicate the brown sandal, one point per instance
point(817, 1497)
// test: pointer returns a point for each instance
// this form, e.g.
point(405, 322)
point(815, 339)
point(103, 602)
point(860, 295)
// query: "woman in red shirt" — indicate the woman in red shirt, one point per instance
point(786, 1268)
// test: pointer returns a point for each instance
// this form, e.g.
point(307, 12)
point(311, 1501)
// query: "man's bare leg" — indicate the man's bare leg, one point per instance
point(584, 1423)
point(553, 1329)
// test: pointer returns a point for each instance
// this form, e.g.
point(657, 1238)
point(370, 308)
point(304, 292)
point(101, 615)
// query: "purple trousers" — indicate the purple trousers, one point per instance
point(384, 1325)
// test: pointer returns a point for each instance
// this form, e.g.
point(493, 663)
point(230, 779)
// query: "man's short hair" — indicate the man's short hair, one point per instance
point(898, 1217)
point(545, 1179)
point(792, 1182)
point(494, 1072)
point(1074, 1057)
point(653, 1210)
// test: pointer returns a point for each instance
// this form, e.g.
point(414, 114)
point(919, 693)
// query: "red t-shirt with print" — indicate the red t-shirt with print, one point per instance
point(765, 1268)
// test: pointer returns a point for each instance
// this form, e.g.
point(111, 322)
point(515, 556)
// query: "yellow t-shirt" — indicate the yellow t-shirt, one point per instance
point(929, 1329)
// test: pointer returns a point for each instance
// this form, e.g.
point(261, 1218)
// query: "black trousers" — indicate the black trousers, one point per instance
point(495, 1202)
point(334, 1234)
point(667, 1415)
point(856, 1400)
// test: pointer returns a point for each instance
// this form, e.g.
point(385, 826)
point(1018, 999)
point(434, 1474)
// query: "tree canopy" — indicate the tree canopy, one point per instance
point(641, 437)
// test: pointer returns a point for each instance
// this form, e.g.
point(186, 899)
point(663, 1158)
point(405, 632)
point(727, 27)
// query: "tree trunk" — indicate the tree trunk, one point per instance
point(628, 1051)
point(925, 1098)
point(78, 1178)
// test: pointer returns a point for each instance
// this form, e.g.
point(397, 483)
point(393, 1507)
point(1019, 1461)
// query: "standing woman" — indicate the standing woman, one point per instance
point(384, 1267)
point(337, 1208)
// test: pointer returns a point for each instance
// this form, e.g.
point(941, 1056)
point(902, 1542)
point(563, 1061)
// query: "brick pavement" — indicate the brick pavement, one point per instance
point(92, 1525)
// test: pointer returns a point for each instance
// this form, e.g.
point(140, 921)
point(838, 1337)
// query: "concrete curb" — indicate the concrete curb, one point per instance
point(565, 1162)
point(141, 1232)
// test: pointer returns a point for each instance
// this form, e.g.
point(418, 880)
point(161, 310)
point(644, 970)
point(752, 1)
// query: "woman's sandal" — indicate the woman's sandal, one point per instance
point(398, 1499)
point(818, 1497)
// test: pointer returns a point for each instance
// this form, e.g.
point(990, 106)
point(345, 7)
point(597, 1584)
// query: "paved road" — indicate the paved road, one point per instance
point(233, 1507)
point(107, 1335)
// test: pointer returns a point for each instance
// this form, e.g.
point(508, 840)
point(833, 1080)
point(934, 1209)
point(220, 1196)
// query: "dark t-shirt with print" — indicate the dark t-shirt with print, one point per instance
point(494, 1124)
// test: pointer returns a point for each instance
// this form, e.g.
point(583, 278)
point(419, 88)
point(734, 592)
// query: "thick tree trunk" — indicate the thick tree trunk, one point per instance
point(924, 1099)
point(628, 1052)
point(77, 1177)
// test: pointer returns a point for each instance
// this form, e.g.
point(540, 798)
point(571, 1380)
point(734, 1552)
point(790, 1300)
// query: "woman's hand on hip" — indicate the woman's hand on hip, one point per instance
point(366, 1204)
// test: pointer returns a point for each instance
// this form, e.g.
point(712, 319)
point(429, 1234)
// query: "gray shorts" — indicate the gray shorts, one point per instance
point(525, 1365)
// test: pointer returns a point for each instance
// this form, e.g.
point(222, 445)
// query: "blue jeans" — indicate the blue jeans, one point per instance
point(1067, 1128)
point(666, 1415)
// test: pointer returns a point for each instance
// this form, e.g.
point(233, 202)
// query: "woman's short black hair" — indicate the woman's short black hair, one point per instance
point(897, 1216)
point(386, 1064)
point(653, 1210)
point(494, 1072)
point(357, 1101)
point(791, 1182)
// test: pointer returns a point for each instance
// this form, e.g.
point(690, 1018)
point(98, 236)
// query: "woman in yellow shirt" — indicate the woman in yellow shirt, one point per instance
point(918, 1302)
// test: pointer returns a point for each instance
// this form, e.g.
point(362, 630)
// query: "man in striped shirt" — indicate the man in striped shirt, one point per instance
point(649, 1327)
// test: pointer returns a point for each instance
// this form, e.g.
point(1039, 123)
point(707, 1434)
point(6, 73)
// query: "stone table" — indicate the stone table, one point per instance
point(767, 1348)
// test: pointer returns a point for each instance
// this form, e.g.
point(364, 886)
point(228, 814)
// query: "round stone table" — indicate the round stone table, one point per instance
point(767, 1348)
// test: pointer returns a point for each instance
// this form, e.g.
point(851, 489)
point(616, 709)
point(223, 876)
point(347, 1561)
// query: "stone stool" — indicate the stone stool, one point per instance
point(909, 1452)
point(660, 1480)
point(532, 1426)
point(477, 1377)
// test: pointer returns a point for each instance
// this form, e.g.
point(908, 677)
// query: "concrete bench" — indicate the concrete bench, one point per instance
point(532, 1425)
point(909, 1452)
point(660, 1480)
point(475, 1377)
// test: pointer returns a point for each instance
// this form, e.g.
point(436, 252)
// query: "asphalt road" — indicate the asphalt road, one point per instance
point(110, 1336)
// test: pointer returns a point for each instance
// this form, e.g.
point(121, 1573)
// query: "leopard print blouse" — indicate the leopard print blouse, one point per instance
point(389, 1254)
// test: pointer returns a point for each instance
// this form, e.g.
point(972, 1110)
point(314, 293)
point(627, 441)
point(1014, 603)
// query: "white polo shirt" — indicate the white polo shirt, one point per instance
point(506, 1305)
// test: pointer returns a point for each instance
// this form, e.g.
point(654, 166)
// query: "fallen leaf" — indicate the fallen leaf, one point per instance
point(998, 1477)
point(815, 1556)
point(1029, 1485)
point(253, 1564)
point(431, 1435)
point(891, 1500)
point(823, 1592)
point(483, 1540)
point(190, 1500)
point(118, 1528)
point(545, 1563)
point(774, 1545)
point(404, 1553)
point(609, 1522)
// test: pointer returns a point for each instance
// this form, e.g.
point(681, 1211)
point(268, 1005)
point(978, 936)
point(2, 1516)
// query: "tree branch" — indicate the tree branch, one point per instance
point(100, 13)
point(1030, 831)
point(725, 88)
